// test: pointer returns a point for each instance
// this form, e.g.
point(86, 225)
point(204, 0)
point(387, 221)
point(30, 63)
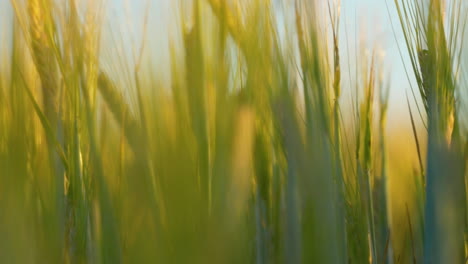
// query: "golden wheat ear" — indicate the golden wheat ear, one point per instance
point(43, 57)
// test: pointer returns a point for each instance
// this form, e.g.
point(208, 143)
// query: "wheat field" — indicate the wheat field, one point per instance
point(264, 138)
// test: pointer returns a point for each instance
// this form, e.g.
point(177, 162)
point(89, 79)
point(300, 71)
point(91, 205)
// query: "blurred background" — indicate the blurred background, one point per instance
point(230, 131)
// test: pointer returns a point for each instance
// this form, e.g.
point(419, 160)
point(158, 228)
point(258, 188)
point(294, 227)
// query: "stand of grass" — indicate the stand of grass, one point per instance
point(434, 44)
point(242, 157)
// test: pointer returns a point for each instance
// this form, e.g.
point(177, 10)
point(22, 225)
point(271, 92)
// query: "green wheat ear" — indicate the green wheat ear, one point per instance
point(425, 67)
point(118, 107)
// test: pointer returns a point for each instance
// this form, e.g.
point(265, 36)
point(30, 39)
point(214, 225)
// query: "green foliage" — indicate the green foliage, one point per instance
point(243, 157)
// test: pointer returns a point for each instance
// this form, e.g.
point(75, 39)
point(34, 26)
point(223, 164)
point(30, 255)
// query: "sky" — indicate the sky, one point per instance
point(378, 22)
point(369, 19)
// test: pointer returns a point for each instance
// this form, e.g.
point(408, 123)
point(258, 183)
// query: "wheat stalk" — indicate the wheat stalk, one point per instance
point(45, 63)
